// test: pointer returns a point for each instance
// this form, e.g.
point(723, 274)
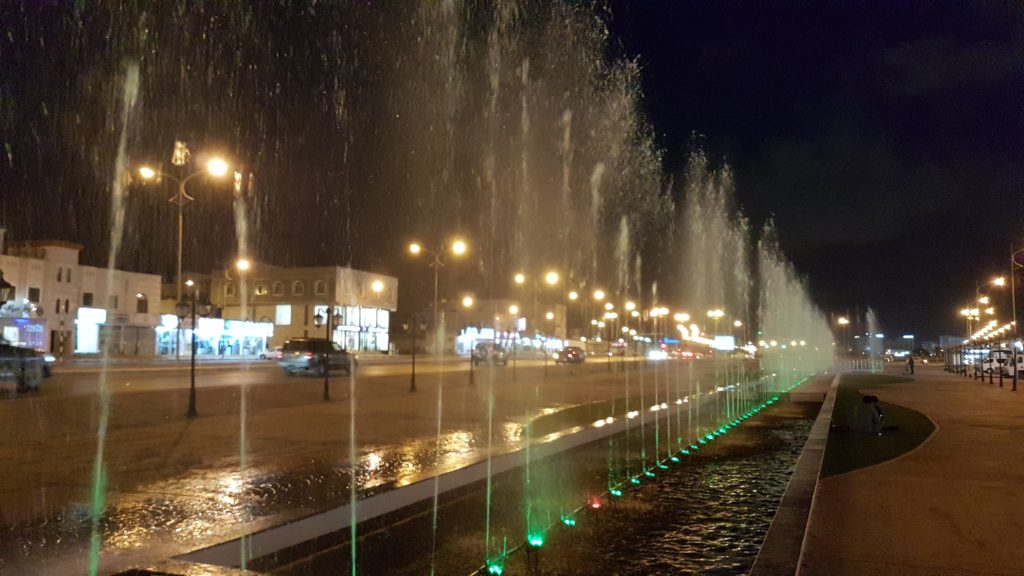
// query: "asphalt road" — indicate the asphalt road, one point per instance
point(84, 378)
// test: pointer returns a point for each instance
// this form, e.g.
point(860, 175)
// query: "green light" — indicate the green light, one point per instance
point(535, 540)
point(674, 459)
point(614, 492)
point(685, 451)
point(495, 569)
point(649, 474)
point(709, 436)
point(694, 447)
point(634, 481)
point(567, 520)
point(722, 430)
point(662, 466)
point(702, 441)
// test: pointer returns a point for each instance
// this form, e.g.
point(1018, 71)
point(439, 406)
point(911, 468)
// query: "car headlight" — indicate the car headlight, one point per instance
point(49, 358)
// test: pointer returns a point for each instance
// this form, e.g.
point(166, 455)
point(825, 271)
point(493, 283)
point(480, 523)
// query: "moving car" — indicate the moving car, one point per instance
point(489, 352)
point(569, 355)
point(307, 355)
point(23, 367)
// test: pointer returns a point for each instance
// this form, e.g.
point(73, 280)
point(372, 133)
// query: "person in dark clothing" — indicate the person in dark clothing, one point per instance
point(910, 364)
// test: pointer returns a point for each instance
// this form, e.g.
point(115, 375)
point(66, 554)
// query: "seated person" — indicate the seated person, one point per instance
point(867, 417)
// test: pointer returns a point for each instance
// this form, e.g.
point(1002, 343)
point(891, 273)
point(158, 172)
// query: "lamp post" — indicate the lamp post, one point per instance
point(183, 309)
point(467, 303)
point(844, 322)
point(329, 317)
point(514, 311)
point(458, 248)
point(1014, 265)
point(215, 167)
point(415, 325)
point(551, 278)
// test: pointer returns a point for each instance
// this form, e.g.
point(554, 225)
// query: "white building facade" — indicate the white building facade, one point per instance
point(67, 308)
point(290, 298)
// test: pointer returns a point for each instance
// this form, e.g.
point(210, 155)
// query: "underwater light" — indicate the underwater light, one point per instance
point(495, 569)
point(615, 492)
point(535, 540)
point(568, 521)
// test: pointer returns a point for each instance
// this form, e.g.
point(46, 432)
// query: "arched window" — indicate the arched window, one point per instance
point(141, 304)
point(298, 288)
point(320, 288)
point(278, 288)
point(60, 275)
point(229, 289)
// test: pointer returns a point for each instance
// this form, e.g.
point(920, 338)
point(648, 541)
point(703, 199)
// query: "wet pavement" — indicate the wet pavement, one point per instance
point(175, 485)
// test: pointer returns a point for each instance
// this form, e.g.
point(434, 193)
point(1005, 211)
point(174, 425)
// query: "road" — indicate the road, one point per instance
point(265, 447)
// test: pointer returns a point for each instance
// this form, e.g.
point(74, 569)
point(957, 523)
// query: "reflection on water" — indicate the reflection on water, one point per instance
point(709, 518)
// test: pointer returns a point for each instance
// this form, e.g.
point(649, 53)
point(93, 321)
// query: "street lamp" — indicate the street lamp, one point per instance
point(458, 247)
point(415, 325)
point(716, 314)
point(215, 167)
point(183, 309)
point(326, 319)
point(844, 322)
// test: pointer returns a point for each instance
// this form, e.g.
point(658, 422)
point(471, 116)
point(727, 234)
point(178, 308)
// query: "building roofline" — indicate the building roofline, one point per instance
point(47, 243)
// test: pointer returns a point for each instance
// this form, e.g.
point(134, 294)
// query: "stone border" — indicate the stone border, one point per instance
point(782, 548)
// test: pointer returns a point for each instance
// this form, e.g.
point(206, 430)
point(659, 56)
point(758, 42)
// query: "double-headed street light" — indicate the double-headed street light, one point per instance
point(457, 247)
point(716, 315)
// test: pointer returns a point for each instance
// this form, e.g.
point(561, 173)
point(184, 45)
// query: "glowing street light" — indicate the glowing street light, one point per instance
point(243, 264)
point(550, 315)
point(216, 167)
point(737, 324)
point(467, 302)
point(551, 278)
point(458, 247)
point(598, 295)
point(681, 317)
point(513, 309)
point(377, 286)
point(573, 295)
point(630, 306)
point(609, 306)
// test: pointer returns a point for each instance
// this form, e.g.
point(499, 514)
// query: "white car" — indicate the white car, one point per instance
point(1001, 360)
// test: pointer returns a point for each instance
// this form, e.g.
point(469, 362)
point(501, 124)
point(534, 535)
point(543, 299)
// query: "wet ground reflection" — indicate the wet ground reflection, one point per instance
point(208, 505)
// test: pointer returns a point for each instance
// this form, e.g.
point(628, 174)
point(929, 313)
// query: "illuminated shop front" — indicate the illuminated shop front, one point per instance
point(214, 336)
point(360, 328)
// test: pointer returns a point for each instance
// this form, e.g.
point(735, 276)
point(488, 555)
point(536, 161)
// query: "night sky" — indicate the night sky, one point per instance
point(885, 139)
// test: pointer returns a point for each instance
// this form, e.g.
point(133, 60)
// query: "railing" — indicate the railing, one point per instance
point(870, 365)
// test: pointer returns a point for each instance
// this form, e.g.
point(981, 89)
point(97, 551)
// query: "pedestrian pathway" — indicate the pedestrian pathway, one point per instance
point(953, 506)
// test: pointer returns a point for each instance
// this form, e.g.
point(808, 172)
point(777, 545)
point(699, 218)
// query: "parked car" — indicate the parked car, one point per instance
point(275, 353)
point(490, 352)
point(25, 367)
point(1001, 361)
point(307, 355)
point(569, 355)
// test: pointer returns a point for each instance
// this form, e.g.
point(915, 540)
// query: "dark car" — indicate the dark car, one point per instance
point(488, 352)
point(24, 367)
point(307, 355)
point(569, 355)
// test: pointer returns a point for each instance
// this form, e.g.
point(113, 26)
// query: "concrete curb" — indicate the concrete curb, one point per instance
point(783, 545)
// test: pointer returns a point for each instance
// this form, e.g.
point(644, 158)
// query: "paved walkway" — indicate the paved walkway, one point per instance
point(953, 506)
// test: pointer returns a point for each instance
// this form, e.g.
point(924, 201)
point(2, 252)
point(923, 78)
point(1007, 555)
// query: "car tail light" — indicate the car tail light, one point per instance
point(309, 354)
point(280, 355)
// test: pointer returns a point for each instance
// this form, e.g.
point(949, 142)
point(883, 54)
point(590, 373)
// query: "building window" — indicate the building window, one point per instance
point(87, 299)
point(261, 289)
point(60, 275)
point(320, 288)
point(283, 315)
point(67, 277)
point(141, 304)
point(66, 306)
point(229, 289)
point(278, 288)
point(33, 295)
point(362, 290)
point(56, 309)
point(298, 288)
point(112, 302)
